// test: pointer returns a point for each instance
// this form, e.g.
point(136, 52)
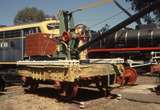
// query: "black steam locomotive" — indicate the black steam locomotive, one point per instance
point(128, 43)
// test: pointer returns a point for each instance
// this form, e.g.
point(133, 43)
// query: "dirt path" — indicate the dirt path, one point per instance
point(138, 97)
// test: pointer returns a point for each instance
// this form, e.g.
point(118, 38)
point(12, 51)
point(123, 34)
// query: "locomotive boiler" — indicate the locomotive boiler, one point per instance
point(128, 43)
point(143, 38)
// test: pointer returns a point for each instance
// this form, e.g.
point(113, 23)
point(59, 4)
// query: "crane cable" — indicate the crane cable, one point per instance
point(98, 4)
point(100, 22)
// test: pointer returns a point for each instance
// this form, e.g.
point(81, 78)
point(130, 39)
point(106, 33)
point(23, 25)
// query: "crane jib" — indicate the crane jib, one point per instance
point(121, 25)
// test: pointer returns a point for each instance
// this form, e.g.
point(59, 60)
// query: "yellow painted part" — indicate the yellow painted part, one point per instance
point(83, 54)
point(60, 74)
point(98, 3)
point(120, 68)
point(42, 25)
point(97, 70)
point(68, 74)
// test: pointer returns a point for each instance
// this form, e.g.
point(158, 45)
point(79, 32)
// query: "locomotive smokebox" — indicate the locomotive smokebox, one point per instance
point(40, 45)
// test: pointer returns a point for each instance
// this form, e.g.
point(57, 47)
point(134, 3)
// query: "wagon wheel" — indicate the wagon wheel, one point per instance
point(69, 91)
point(120, 79)
point(24, 81)
point(33, 85)
point(99, 86)
point(128, 77)
point(2, 84)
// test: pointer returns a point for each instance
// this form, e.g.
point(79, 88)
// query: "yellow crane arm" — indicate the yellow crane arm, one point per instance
point(95, 4)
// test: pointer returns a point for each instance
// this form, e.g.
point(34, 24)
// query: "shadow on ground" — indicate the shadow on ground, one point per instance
point(82, 95)
point(2, 94)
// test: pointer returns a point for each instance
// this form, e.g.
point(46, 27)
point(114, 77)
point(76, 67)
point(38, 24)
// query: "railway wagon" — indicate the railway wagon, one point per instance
point(12, 45)
point(62, 68)
point(55, 61)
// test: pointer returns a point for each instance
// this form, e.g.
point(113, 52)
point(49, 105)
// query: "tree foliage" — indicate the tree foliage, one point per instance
point(29, 15)
point(137, 5)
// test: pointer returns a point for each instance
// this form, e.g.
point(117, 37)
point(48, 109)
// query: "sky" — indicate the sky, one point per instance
point(95, 18)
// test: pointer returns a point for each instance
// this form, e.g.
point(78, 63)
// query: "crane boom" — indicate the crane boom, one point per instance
point(125, 11)
point(95, 4)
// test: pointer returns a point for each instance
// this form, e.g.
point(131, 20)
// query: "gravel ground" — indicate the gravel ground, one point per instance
point(137, 97)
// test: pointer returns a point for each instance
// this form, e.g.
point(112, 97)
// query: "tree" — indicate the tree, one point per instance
point(29, 15)
point(137, 5)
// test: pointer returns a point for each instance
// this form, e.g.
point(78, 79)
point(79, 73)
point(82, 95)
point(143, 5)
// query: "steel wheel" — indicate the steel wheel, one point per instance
point(33, 86)
point(128, 77)
point(99, 86)
point(2, 84)
point(69, 91)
